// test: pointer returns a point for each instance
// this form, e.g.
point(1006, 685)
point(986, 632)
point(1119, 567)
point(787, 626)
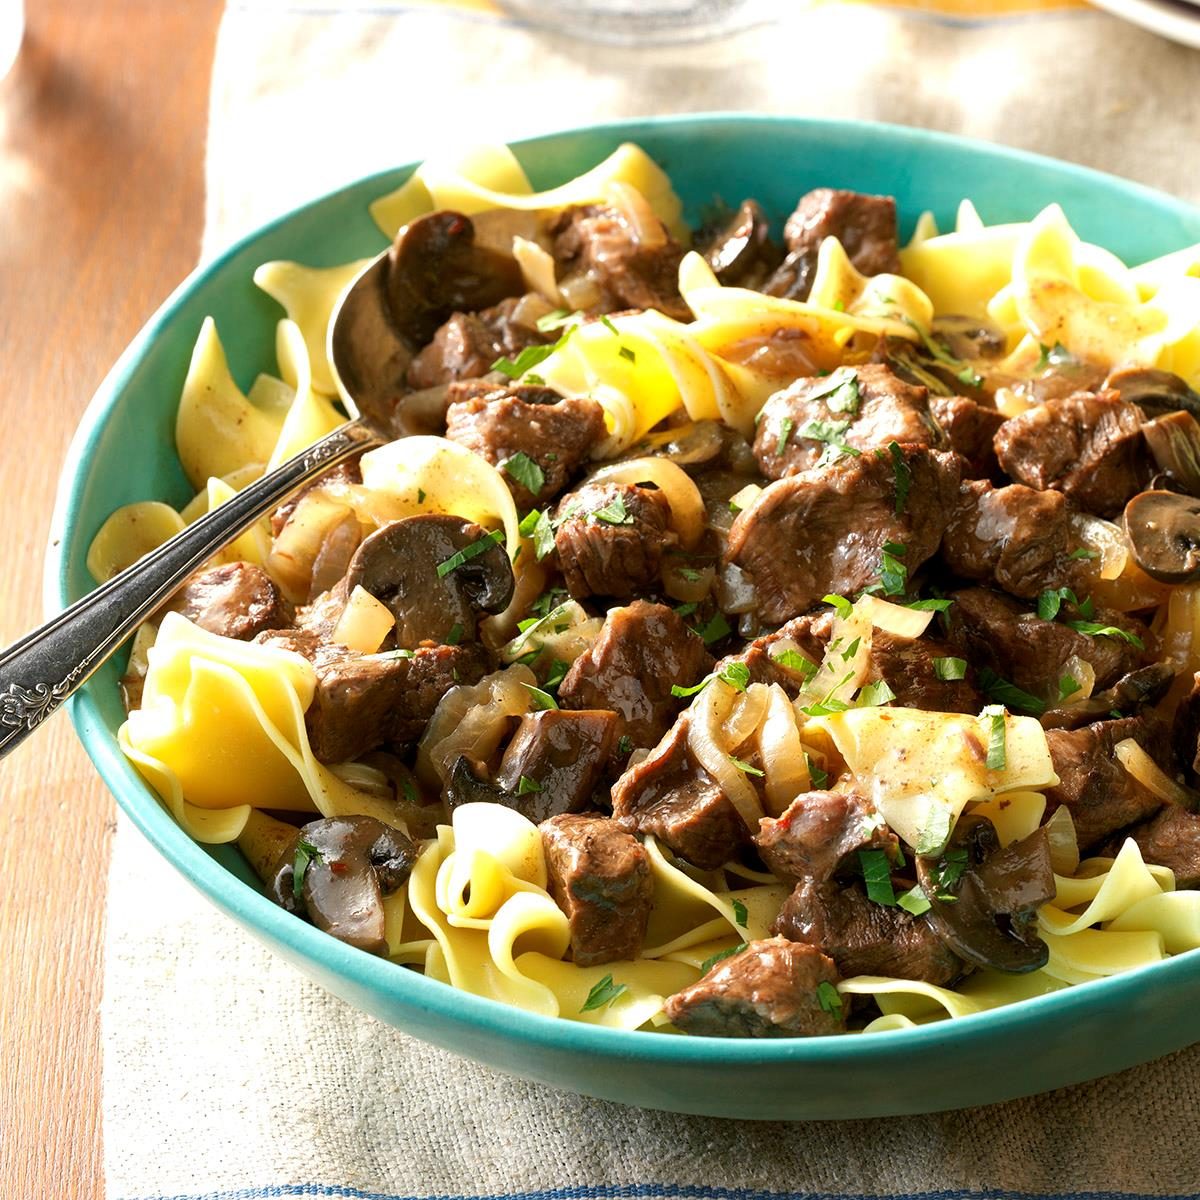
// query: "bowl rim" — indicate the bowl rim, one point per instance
point(410, 988)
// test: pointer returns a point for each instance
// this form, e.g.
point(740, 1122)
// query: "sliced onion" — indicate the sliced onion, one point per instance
point(690, 584)
point(1151, 776)
point(687, 507)
point(537, 268)
point(706, 733)
point(648, 231)
point(333, 557)
point(745, 497)
point(782, 754)
point(1084, 674)
point(1105, 539)
point(364, 623)
point(580, 292)
point(895, 619)
point(295, 551)
point(364, 778)
point(735, 590)
point(1064, 846)
point(746, 715)
point(564, 633)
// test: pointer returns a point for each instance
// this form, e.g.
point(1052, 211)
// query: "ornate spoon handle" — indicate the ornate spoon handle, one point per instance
point(41, 670)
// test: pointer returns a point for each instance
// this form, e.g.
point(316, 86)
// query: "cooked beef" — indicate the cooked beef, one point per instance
point(670, 795)
point(868, 405)
point(346, 472)
point(906, 665)
point(1100, 794)
point(1088, 446)
point(741, 252)
point(1015, 537)
point(772, 988)
point(1171, 839)
point(364, 701)
point(237, 600)
point(598, 247)
point(555, 760)
point(824, 530)
point(499, 422)
point(467, 345)
point(865, 225)
point(865, 938)
point(1186, 735)
point(609, 539)
point(600, 877)
point(818, 832)
point(992, 630)
point(811, 633)
point(642, 652)
point(970, 428)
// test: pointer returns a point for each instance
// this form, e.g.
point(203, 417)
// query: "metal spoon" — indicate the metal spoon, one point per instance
point(46, 666)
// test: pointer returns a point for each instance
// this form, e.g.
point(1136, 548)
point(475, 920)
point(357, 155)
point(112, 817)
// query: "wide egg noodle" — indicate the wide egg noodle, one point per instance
point(129, 533)
point(311, 415)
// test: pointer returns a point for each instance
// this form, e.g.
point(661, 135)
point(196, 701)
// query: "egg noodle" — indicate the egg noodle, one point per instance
point(221, 721)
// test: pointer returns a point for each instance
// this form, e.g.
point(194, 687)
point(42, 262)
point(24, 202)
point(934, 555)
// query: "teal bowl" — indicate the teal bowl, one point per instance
point(124, 452)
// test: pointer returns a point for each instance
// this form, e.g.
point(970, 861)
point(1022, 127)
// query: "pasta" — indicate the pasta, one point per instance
point(799, 656)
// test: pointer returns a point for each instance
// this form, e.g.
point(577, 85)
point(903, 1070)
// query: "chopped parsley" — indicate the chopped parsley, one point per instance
point(1097, 629)
point(1051, 600)
point(554, 320)
point(558, 672)
point(793, 660)
point(626, 353)
point(933, 836)
point(875, 694)
point(686, 610)
point(785, 431)
point(831, 434)
point(877, 872)
point(827, 705)
point(739, 912)
point(893, 574)
point(624, 744)
point(736, 674)
point(690, 574)
point(455, 634)
point(542, 701)
point(843, 606)
point(525, 471)
point(715, 629)
point(948, 872)
point(613, 513)
point(997, 757)
point(409, 789)
point(851, 650)
point(1057, 355)
point(949, 669)
point(474, 550)
point(526, 785)
point(938, 605)
point(902, 473)
point(914, 901)
point(830, 999)
point(609, 326)
point(712, 960)
point(537, 525)
point(1000, 691)
point(964, 372)
point(306, 852)
point(819, 778)
point(1068, 685)
point(529, 358)
point(840, 391)
point(1082, 553)
point(745, 767)
point(420, 495)
point(603, 994)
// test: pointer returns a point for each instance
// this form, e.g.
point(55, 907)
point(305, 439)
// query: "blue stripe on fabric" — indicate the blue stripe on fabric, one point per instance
point(653, 1191)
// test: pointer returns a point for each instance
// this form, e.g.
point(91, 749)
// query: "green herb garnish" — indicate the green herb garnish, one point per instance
point(874, 694)
point(474, 550)
point(529, 358)
point(455, 634)
point(1096, 629)
point(841, 605)
point(893, 574)
point(902, 474)
point(1068, 685)
point(744, 767)
point(739, 912)
point(949, 669)
point(877, 872)
point(306, 853)
point(1008, 694)
point(793, 660)
point(997, 757)
point(819, 778)
point(830, 999)
point(830, 433)
point(712, 960)
point(914, 901)
point(526, 785)
point(715, 629)
point(785, 432)
point(626, 353)
point(840, 391)
point(525, 471)
point(542, 701)
point(603, 994)
point(624, 744)
point(1082, 553)
point(554, 320)
point(613, 513)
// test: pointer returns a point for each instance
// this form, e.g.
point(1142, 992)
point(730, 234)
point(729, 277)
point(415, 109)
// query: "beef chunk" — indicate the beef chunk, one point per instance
point(870, 405)
point(610, 537)
point(865, 938)
point(811, 633)
point(824, 530)
point(363, 701)
point(1186, 734)
point(1171, 839)
point(499, 422)
point(1087, 446)
point(597, 247)
point(237, 600)
point(1101, 795)
point(741, 252)
point(990, 629)
point(772, 988)
point(561, 756)
point(970, 428)
point(865, 225)
point(1015, 537)
point(818, 832)
point(600, 877)
point(642, 652)
point(468, 343)
point(906, 666)
point(673, 797)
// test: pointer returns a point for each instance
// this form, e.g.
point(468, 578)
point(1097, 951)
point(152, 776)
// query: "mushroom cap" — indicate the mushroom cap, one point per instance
point(1163, 531)
point(1155, 392)
point(436, 268)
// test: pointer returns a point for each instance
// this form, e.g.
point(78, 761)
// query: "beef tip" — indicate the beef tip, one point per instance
point(673, 797)
point(865, 225)
point(642, 652)
point(741, 252)
point(970, 429)
point(1186, 734)
point(344, 473)
point(824, 530)
point(817, 833)
point(363, 701)
point(599, 251)
point(1101, 795)
point(1171, 839)
point(500, 422)
point(772, 988)
point(600, 877)
point(467, 345)
point(992, 630)
point(906, 666)
point(609, 539)
point(1088, 446)
point(810, 632)
point(555, 760)
point(865, 938)
point(1015, 537)
point(237, 600)
point(870, 405)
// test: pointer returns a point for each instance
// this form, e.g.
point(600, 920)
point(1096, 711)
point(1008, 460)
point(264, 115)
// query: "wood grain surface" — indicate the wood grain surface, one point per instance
point(102, 126)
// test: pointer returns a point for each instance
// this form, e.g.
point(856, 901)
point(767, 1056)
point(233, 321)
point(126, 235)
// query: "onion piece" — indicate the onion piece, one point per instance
point(687, 507)
point(1151, 776)
point(1064, 846)
point(706, 733)
point(301, 540)
point(689, 584)
point(564, 633)
point(735, 590)
point(537, 268)
point(782, 753)
point(895, 619)
point(364, 623)
point(1106, 540)
point(648, 231)
point(1084, 674)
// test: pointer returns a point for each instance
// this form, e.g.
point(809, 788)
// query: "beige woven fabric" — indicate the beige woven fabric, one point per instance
point(228, 1074)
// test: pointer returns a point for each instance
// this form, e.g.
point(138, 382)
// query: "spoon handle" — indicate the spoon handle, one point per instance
point(46, 666)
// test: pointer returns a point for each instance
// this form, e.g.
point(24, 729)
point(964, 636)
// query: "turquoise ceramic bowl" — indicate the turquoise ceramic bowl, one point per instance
point(124, 452)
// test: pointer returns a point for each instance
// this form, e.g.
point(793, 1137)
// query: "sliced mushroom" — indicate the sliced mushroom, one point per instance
point(1163, 530)
point(436, 268)
point(741, 253)
point(1155, 392)
point(436, 573)
point(1174, 440)
point(969, 337)
point(1129, 695)
point(346, 866)
point(468, 784)
point(986, 916)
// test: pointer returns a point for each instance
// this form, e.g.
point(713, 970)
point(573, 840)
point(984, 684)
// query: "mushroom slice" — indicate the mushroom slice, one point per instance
point(1174, 440)
point(985, 915)
point(436, 573)
point(1163, 529)
point(345, 865)
point(1154, 392)
point(436, 268)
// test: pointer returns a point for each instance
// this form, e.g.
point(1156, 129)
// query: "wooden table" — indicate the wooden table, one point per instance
point(102, 123)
